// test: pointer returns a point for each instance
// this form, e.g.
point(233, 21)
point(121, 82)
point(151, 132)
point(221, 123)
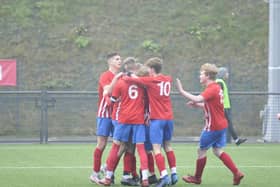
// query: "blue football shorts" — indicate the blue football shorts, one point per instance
point(126, 132)
point(104, 127)
point(148, 144)
point(161, 131)
point(215, 139)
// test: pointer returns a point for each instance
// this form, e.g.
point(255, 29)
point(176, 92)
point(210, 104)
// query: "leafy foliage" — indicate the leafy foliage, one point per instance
point(82, 41)
point(51, 34)
point(151, 45)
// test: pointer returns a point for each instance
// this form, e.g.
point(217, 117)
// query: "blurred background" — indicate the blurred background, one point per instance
point(60, 49)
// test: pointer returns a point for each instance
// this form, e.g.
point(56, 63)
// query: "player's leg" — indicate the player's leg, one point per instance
point(103, 129)
point(139, 137)
point(129, 166)
point(97, 158)
point(204, 144)
point(228, 162)
point(156, 137)
point(151, 164)
point(121, 134)
point(121, 151)
point(226, 158)
point(111, 162)
point(168, 132)
point(134, 173)
point(171, 161)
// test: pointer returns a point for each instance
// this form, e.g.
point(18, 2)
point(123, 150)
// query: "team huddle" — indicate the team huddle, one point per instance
point(135, 108)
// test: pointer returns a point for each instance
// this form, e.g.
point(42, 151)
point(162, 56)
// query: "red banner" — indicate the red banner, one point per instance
point(8, 72)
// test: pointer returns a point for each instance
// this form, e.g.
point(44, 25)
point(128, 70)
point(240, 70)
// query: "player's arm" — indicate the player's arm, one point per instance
point(188, 95)
point(138, 80)
point(115, 95)
point(195, 105)
point(107, 90)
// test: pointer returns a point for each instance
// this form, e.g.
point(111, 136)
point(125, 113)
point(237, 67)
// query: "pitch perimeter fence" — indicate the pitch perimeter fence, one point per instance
point(69, 116)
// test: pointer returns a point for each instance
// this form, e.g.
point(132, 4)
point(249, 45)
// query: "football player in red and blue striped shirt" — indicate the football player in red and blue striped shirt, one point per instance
point(104, 124)
point(214, 132)
point(130, 117)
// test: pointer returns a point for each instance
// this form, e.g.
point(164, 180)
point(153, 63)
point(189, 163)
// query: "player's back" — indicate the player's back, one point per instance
point(131, 107)
point(159, 89)
point(213, 107)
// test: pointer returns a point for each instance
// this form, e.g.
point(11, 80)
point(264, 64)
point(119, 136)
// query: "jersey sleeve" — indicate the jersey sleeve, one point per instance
point(104, 80)
point(143, 81)
point(116, 89)
point(208, 93)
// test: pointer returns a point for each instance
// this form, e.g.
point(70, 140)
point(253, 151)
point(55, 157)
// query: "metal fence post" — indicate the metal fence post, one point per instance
point(43, 116)
point(45, 103)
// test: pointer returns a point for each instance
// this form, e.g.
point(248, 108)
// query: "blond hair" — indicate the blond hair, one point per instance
point(143, 71)
point(210, 70)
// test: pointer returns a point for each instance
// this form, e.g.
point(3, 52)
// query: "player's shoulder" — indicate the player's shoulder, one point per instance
point(214, 87)
point(106, 74)
point(165, 77)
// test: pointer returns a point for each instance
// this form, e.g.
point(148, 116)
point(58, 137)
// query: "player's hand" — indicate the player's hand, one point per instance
point(119, 75)
point(191, 104)
point(105, 93)
point(179, 85)
point(108, 100)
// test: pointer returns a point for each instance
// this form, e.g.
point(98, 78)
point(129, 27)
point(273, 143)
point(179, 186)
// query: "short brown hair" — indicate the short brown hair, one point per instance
point(110, 55)
point(210, 70)
point(155, 63)
point(129, 64)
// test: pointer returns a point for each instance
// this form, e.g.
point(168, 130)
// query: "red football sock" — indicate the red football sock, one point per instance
point(117, 163)
point(151, 163)
point(228, 162)
point(171, 159)
point(113, 157)
point(143, 156)
point(200, 164)
point(127, 160)
point(160, 162)
point(97, 157)
point(133, 166)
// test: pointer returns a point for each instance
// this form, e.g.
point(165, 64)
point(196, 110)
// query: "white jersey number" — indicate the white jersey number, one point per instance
point(165, 88)
point(133, 92)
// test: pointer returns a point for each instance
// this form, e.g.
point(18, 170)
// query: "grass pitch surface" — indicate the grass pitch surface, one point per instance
point(69, 165)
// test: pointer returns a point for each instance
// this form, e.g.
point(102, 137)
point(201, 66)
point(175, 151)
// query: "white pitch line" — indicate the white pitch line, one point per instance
point(87, 167)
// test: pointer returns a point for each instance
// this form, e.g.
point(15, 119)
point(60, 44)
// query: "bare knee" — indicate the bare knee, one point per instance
point(167, 146)
point(101, 142)
point(156, 148)
point(217, 152)
point(201, 153)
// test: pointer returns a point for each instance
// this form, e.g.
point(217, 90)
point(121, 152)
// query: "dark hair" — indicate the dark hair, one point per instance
point(110, 55)
point(155, 63)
